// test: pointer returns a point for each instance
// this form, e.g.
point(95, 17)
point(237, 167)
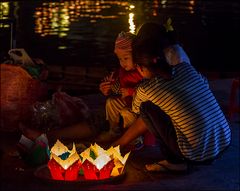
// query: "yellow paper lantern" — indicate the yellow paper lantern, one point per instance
point(119, 161)
point(102, 157)
point(95, 162)
point(58, 149)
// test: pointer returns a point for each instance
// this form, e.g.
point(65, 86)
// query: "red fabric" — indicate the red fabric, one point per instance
point(149, 139)
point(129, 79)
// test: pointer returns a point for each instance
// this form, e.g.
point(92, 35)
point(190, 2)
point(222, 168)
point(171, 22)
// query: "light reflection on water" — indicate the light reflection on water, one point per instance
point(54, 18)
point(69, 28)
point(82, 32)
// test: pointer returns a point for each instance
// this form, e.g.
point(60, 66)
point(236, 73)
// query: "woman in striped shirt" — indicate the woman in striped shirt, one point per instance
point(175, 104)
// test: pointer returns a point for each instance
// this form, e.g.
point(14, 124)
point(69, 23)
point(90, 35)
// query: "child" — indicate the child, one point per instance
point(176, 105)
point(119, 88)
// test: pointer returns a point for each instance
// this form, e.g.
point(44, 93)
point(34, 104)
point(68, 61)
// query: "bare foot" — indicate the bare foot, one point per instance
point(28, 132)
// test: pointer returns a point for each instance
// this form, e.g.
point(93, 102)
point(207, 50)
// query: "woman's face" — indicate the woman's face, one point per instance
point(145, 72)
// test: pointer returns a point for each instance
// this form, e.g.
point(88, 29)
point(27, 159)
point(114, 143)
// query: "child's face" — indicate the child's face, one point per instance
point(125, 59)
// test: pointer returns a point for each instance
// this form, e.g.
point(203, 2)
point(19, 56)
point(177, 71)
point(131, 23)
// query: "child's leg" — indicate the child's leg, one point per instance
point(128, 117)
point(114, 105)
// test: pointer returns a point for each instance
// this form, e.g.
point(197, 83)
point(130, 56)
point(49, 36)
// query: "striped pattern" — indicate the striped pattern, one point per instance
point(201, 127)
point(124, 41)
point(114, 105)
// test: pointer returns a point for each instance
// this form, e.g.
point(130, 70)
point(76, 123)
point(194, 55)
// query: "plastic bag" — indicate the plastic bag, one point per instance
point(45, 116)
point(62, 111)
point(20, 56)
point(71, 109)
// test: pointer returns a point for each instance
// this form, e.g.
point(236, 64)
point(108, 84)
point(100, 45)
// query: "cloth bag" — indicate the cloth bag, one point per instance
point(18, 92)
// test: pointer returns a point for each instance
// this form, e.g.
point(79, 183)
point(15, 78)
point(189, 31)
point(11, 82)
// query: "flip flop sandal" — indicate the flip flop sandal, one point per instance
point(156, 167)
point(159, 167)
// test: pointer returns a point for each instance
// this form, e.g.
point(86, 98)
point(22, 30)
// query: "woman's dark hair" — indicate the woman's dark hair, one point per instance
point(156, 34)
point(149, 44)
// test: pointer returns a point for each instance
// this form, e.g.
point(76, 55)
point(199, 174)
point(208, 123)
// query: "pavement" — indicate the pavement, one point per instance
point(222, 174)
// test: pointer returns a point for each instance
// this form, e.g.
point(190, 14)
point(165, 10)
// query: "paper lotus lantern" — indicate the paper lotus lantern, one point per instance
point(64, 164)
point(96, 163)
point(34, 152)
point(119, 161)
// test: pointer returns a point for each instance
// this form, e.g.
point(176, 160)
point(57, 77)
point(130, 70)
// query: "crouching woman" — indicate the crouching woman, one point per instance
point(175, 104)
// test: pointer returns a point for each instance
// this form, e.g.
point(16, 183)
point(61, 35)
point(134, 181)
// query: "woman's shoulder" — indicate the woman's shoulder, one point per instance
point(175, 54)
point(146, 83)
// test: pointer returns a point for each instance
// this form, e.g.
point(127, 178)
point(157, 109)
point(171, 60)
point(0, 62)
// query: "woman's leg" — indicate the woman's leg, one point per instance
point(159, 123)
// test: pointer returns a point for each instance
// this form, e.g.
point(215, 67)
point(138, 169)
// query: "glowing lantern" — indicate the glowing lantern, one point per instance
point(96, 163)
point(64, 164)
point(119, 161)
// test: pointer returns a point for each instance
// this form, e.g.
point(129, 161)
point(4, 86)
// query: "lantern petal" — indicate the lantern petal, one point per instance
point(59, 148)
point(90, 170)
point(56, 170)
point(101, 161)
point(118, 167)
point(86, 155)
point(68, 162)
point(125, 158)
point(105, 172)
point(71, 173)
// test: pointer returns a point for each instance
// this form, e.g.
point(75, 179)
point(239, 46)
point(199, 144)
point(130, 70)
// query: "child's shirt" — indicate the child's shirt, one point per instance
point(126, 79)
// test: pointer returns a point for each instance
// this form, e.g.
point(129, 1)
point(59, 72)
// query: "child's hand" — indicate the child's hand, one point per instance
point(124, 92)
point(105, 88)
point(109, 78)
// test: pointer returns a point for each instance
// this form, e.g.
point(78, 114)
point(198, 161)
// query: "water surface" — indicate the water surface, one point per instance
point(82, 32)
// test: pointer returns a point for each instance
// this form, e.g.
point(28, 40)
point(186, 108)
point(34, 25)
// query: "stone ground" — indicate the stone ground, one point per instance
point(222, 174)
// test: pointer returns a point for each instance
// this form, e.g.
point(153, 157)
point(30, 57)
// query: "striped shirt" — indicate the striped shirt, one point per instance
point(201, 127)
